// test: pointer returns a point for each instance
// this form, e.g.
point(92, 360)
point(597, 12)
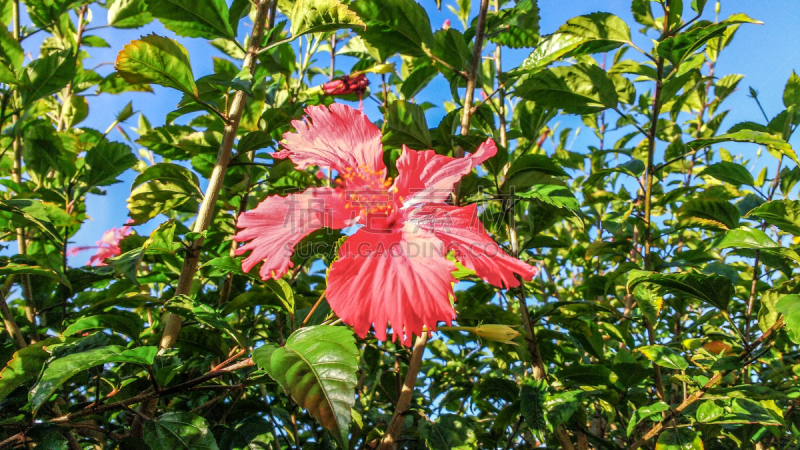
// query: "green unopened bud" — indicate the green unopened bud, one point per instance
point(717, 7)
point(498, 333)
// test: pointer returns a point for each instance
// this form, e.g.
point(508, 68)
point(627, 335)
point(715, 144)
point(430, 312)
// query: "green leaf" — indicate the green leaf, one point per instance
point(550, 49)
point(791, 93)
point(188, 308)
point(61, 369)
point(561, 406)
point(553, 194)
point(601, 31)
point(715, 290)
point(664, 357)
point(47, 75)
point(789, 306)
point(758, 137)
point(645, 412)
point(128, 14)
point(405, 124)
point(161, 188)
point(708, 412)
point(317, 367)
point(284, 293)
point(576, 89)
point(123, 322)
point(179, 430)
point(735, 174)
point(719, 214)
point(633, 167)
point(531, 401)
point(44, 13)
point(170, 174)
point(37, 213)
point(207, 19)
point(158, 60)
point(395, 26)
point(24, 366)
point(105, 162)
point(517, 27)
point(11, 58)
point(447, 432)
point(679, 439)
point(677, 48)
point(746, 237)
point(13, 268)
point(528, 169)
point(784, 214)
point(587, 375)
point(315, 16)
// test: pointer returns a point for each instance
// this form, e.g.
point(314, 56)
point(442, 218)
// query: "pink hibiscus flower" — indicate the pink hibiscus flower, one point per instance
point(107, 246)
point(393, 270)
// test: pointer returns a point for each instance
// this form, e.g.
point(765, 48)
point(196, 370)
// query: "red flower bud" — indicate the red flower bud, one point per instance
point(347, 85)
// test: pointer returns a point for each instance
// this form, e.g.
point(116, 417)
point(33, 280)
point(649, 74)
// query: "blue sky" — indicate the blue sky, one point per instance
point(765, 54)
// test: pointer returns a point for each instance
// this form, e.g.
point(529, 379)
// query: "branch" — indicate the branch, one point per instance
point(673, 414)
point(404, 401)
point(474, 66)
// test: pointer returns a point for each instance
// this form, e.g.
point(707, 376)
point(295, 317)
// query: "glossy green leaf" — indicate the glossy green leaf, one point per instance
point(405, 124)
point(664, 357)
point(576, 89)
point(644, 412)
point(395, 26)
point(314, 16)
point(207, 19)
point(317, 367)
point(532, 397)
point(38, 213)
point(446, 432)
point(677, 48)
point(24, 366)
point(746, 237)
point(789, 306)
point(715, 290)
point(128, 324)
point(157, 60)
point(733, 173)
point(679, 439)
point(11, 58)
point(517, 27)
point(47, 75)
point(170, 174)
point(178, 431)
point(128, 14)
point(553, 194)
point(758, 137)
point(61, 369)
point(784, 214)
point(708, 411)
point(561, 406)
point(105, 162)
point(717, 213)
point(188, 308)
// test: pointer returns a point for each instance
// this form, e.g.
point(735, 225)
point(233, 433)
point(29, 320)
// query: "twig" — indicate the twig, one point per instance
point(313, 308)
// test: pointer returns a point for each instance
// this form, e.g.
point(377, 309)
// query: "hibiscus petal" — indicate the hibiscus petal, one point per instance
point(339, 137)
point(425, 176)
point(278, 223)
point(461, 231)
point(401, 278)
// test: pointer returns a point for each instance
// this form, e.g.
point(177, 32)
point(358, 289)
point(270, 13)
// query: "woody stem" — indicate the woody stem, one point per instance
point(472, 78)
point(404, 401)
